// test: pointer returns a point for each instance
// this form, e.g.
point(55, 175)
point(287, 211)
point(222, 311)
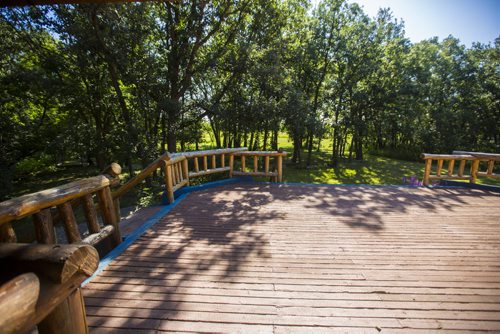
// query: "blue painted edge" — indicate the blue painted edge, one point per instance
point(105, 261)
point(450, 183)
point(179, 195)
point(182, 193)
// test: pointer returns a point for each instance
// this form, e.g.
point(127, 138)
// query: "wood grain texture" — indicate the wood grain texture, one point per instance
point(18, 299)
point(58, 263)
point(22, 206)
point(258, 258)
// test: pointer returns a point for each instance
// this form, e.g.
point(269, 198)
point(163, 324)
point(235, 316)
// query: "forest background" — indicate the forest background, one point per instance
point(125, 82)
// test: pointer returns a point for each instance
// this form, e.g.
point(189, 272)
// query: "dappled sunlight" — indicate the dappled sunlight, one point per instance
point(224, 244)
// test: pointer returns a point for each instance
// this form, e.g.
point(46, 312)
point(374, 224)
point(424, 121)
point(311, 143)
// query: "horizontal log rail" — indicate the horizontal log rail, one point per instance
point(179, 168)
point(51, 274)
point(58, 203)
point(460, 158)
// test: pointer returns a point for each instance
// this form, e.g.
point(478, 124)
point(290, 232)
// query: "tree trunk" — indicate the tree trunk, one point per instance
point(250, 144)
point(297, 144)
point(310, 143)
point(275, 139)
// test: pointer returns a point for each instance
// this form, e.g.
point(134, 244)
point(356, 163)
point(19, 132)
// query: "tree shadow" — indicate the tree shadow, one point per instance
point(211, 238)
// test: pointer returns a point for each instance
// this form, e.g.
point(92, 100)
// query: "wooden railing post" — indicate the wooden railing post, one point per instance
point(109, 214)
point(68, 317)
point(69, 222)
point(279, 166)
point(169, 185)
point(185, 170)
point(231, 165)
point(427, 171)
point(439, 167)
point(44, 227)
point(451, 165)
point(473, 171)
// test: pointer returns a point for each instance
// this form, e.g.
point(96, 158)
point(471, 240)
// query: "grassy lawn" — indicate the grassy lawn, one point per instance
point(373, 170)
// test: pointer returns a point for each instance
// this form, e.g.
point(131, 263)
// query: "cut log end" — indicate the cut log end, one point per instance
point(113, 170)
point(56, 262)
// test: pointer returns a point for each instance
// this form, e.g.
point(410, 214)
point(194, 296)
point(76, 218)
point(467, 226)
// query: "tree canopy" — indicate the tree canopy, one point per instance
point(128, 81)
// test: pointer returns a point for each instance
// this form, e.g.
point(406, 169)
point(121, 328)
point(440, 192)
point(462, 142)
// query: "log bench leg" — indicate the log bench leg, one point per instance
point(67, 317)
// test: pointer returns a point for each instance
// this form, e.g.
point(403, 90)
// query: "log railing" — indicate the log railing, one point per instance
point(488, 159)
point(209, 162)
point(456, 166)
point(276, 173)
point(58, 203)
point(42, 281)
point(179, 168)
point(40, 286)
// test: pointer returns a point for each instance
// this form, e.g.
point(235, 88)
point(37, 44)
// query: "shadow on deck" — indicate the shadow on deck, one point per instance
point(252, 258)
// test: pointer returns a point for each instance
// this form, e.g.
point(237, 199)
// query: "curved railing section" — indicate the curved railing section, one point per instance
point(460, 165)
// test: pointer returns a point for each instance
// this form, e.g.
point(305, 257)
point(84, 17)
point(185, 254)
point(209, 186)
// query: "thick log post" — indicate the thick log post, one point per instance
point(44, 227)
point(231, 165)
point(214, 162)
point(255, 163)
point(266, 164)
point(223, 160)
point(280, 168)
point(69, 222)
point(169, 186)
point(427, 171)
point(243, 167)
point(116, 205)
point(18, 299)
point(109, 214)
point(68, 317)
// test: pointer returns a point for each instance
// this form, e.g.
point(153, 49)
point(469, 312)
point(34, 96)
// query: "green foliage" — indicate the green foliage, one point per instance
point(124, 82)
point(34, 165)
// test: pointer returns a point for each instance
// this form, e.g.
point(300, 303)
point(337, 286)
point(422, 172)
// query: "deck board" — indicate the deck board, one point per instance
point(268, 258)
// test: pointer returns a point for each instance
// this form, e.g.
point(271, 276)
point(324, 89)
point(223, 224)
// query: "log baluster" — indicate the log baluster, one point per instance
point(109, 214)
point(69, 222)
point(44, 227)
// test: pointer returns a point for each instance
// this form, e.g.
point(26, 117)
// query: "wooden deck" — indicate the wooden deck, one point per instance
point(258, 258)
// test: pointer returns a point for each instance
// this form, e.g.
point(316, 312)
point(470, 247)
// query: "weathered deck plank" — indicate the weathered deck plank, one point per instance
point(257, 258)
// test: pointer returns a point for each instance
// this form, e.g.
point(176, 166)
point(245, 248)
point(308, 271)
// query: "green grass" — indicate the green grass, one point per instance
point(372, 170)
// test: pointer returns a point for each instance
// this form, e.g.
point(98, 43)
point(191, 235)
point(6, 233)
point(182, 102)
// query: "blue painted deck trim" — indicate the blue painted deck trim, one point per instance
point(456, 184)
